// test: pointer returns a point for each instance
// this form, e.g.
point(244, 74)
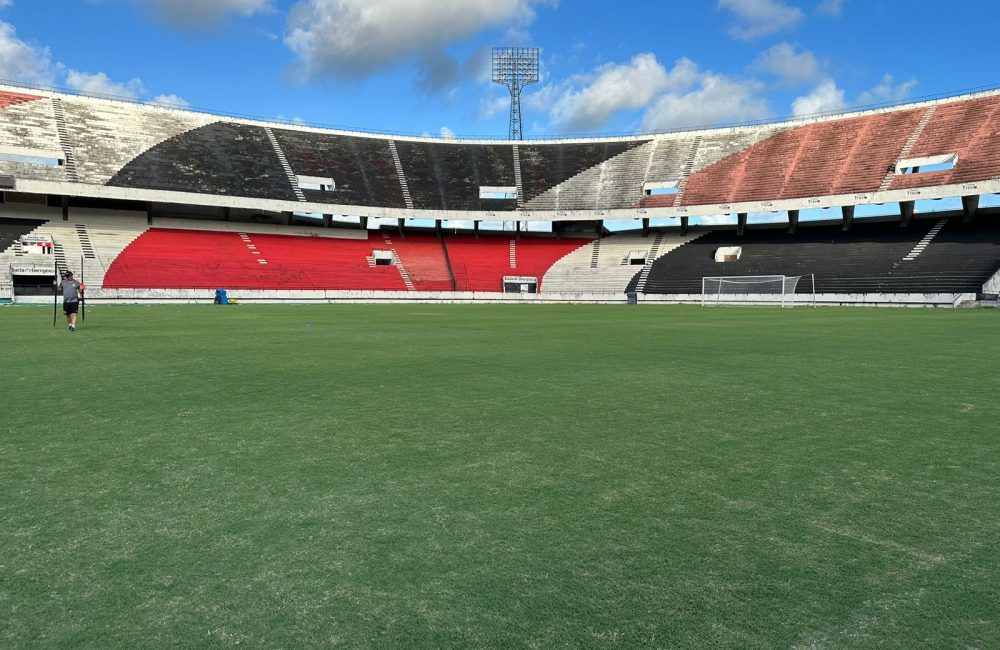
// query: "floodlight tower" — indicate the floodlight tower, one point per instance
point(515, 68)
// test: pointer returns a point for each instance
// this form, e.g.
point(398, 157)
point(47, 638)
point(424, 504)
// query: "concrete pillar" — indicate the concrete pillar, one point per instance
point(645, 226)
point(149, 213)
point(793, 220)
point(970, 205)
point(600, 228)
point(399, 226)
point(364, 223)
point(517, 230)
point(847, 214)
point(437, 229)
point(64, 202)
point(684, 225)
point(288, 218)
point(327, 220)
point(741, 223)
point(475, 229)
point(905, 213)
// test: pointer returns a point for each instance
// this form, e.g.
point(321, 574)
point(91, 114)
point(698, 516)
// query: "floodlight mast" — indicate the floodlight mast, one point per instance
point(515, 68)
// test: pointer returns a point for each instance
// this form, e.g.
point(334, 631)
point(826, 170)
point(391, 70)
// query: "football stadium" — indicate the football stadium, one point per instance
point(729, 385)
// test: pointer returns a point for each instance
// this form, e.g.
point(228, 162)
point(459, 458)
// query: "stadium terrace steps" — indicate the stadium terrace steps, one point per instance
point(107, 136)
point(865, 259)
point(30, 125)
point(209, 260)
point(601, 266)
point(363, 169)
point(448, 176)
point(479, 264)
point(107, 238)
point(222, 158)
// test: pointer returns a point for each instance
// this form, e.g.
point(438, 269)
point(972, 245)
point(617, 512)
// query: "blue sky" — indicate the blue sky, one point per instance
point(419, 66)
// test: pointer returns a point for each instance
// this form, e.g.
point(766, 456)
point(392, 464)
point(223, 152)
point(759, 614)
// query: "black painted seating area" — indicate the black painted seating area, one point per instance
point(868, 258)
point(12, 229)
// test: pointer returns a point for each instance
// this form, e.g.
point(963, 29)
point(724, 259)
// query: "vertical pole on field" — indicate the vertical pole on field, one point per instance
point(814, 288)
point(83, 295)
point(55, 290)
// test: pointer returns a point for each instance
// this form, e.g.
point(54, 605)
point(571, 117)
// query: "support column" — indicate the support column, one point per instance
point(149, 213)
point(475, 229)
point(793, 221)
point(364, 223)
point(847, 214)
point(225, 214)
point(437, 229)
point(327, 220)
point(65, 208)
point(600, 228)
point(645, 226)
point(288, 218)
point(741, 223)
point(517, 230)
point(970, 205)
point(905, 213)
point(684, 225)
point(399, 226)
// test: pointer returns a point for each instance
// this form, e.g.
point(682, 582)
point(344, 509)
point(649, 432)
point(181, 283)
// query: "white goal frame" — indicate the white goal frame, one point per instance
point(774, 290)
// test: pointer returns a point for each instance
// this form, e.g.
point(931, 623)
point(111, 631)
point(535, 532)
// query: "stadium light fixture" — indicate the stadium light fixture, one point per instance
point(515, 68)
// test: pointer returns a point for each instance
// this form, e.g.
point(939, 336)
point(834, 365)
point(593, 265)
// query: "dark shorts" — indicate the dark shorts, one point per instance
point(70, 307)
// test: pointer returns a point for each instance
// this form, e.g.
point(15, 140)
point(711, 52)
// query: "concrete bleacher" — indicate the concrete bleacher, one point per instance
point(603, 265)
point(448, 176)
point(106, 136)
point(362, 168)
point(221, 158)
point(869, 258)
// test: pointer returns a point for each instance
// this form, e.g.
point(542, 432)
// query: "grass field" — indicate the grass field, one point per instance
point(500, 476)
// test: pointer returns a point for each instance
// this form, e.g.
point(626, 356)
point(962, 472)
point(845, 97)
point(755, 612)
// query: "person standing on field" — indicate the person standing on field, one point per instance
point(72, 293)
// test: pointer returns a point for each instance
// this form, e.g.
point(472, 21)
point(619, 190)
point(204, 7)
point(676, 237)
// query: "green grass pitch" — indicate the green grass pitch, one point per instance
point(500, 476)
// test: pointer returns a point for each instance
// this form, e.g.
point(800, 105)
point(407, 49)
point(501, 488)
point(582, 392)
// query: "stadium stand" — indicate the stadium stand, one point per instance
point(362, 168)
point(449, 176)
point(423, 258)
point(219, 158)
point(150, 149)
point(869, 258)
point(190, 259)
point(608, 265)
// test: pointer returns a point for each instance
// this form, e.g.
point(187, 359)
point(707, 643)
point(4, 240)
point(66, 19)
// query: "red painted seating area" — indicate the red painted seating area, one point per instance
point(196, 259)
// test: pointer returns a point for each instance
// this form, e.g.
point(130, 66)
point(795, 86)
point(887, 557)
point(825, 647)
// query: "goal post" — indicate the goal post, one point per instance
point(776, 290)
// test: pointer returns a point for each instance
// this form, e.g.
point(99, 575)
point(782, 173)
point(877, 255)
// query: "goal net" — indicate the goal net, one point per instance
point(777, 290)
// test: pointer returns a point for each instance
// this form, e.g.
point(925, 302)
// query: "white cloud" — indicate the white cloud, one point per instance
point(200, 14)
point(22, 61)
point(447, 133)
point(683, 96)
point(830, 8)
point(6, 3)
point(490, 106)
point(704, 98)
point(826, 97)
point(351, 39)
point(887, 91)
point(172, 101)
point(587, 102)
point(756, 18)
point(100, 84)
point(791, 66)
